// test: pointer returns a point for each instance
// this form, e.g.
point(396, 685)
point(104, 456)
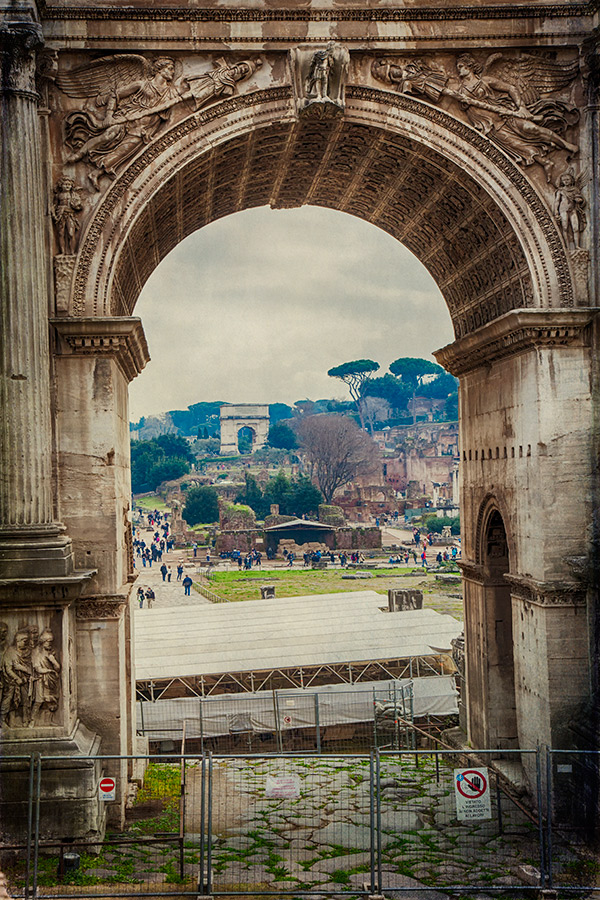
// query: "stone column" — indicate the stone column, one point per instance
point(31, 543)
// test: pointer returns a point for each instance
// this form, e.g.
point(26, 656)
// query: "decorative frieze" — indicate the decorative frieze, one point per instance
point(364, 14)
point(547, 593)
point(105, 608)
point(121, 338)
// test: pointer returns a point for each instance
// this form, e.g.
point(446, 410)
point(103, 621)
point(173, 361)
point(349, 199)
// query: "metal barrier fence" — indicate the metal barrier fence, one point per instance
point(355, 720)
point(287, 824)
point(573, 797)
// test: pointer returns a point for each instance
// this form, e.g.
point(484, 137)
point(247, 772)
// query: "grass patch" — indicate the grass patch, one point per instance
point(160, 791)
point(244, 585)
point(150, 503)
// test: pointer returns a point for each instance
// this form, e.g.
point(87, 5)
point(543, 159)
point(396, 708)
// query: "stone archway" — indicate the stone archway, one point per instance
point(488, 196)
point(234, 418)
point(490, 650)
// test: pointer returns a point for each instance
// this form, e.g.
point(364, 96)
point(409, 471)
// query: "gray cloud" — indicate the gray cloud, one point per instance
point(259, 305)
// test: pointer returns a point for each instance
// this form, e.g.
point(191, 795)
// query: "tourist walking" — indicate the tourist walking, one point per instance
point(187, 585)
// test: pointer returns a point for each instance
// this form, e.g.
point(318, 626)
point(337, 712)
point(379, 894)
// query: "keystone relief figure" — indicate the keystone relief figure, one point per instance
point(320, 77)
point(67, 205)
point(129, 100)
point(317, 83)
point(504, 98)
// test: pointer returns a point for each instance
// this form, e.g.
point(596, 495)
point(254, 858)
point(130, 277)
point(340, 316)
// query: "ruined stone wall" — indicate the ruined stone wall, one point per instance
point(357, 539)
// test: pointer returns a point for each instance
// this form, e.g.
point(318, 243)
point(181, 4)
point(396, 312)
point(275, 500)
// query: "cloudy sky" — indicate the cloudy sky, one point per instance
point(258, 306)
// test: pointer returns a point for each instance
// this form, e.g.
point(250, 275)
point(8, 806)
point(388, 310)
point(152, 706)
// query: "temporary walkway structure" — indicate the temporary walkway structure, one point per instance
point(328, 705)
point(286, 643)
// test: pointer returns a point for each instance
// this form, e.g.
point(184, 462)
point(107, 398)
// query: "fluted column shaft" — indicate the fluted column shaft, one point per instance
point(26, 508)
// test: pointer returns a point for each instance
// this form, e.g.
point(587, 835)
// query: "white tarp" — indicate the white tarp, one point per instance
point(285, 632)
point(297, 708)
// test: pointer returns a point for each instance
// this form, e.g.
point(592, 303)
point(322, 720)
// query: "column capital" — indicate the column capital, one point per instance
point(121, 338)
point(18, 42)
point(513, 333)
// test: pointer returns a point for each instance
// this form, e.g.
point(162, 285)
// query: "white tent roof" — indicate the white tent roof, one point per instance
point(307, 524)
point(283, 633)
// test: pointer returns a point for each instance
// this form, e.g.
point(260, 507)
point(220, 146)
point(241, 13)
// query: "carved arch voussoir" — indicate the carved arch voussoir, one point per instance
point(383, 109)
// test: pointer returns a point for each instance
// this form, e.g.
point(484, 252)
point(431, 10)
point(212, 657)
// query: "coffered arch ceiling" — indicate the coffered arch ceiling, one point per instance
point(452, 223)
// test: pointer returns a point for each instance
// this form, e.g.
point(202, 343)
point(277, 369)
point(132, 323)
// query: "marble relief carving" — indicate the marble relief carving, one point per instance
point(129, 100)
point(67, 206)
point(320, 78)
point(30, 684)
point(504, 96)
point(569, 205)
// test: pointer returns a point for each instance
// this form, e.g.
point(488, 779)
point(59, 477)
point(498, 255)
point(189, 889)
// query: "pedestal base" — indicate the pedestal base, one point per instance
point(70, 806)
point(41, 551)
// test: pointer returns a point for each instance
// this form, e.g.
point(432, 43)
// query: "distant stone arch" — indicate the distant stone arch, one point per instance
point(234, 417)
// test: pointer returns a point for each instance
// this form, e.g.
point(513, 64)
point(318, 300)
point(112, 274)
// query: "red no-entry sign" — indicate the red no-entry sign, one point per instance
point(108, 787)
point(472, 792)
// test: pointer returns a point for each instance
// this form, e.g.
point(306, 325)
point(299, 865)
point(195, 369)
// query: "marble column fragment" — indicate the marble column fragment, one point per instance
point(31, 543)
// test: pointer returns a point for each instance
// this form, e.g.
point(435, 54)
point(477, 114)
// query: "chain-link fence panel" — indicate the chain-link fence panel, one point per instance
point(289, 825)
point(324, 720)
point(144, 854)
point(573, 813)
point(446, 822)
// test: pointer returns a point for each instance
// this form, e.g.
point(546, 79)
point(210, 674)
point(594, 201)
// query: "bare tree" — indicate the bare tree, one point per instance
point(337, 451)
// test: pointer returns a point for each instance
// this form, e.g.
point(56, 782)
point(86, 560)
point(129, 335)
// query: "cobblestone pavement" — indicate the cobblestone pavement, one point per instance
point(321, 840)
point(318, 840)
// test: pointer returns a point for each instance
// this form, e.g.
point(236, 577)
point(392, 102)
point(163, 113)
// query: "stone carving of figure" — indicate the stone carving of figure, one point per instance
point(34, 635)
point(46, 680)
point(317, 83)
point(221, 81)
point(568, 208)
point(411, 77)
point(129, 100)
point(67, 204)
point(3, 644)
point(502, 99)
point(17, 676)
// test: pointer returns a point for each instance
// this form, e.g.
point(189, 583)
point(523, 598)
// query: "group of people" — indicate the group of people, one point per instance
point(153, 552)
point(148, 595)
point(406, 554)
